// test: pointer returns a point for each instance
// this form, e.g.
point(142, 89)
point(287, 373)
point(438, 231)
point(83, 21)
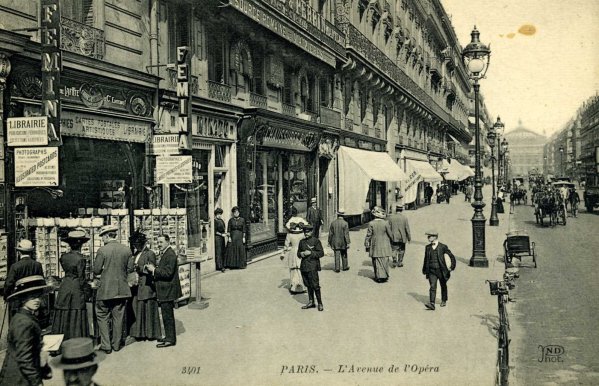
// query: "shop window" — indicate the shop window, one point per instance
point(288, 85)
point(326, 91)
point(178, 29)
point(263, 182)
point(81, 11)
point(219, 156)
point(295, 186)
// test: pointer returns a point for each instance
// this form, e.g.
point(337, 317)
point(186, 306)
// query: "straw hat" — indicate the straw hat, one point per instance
point(28, 285)
point(108, 228)
point(379, 212)
point(78, 353)
point(296, 224)
point(25, 246)
point(77, 235)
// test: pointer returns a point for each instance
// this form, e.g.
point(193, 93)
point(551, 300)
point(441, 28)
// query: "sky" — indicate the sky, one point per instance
point(544, 57)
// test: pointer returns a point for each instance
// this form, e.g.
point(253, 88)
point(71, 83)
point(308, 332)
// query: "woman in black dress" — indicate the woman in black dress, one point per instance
point(145, 324)
point(219, 240)
point(236, 248)
point(70, 313)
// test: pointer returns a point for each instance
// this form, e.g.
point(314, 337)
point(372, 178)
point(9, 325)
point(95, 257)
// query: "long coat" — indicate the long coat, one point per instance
point(441, 250)
point(339, 234)
point(71, 295)
point(22, 365)
point(314, 217)
point(146, 288)
point(400, 228)
point(312, 262)
point(22, 268)
point(113, 262)
point(166, 276)
point(378, 238)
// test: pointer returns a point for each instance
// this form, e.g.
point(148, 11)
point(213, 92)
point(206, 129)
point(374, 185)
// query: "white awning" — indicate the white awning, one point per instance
point(455, 171)
point(356, 169)
point(426, 170)
point(453, 138)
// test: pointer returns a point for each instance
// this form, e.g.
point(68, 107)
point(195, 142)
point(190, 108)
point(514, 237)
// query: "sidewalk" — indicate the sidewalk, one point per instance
point(255, 333)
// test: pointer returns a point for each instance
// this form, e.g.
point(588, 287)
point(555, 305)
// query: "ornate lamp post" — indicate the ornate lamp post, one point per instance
point(476, 57)
point(502, 153)
point(492, 135)
point(561, 161)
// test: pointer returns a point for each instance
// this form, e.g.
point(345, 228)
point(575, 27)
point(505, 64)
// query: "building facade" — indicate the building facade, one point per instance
point(526, 150)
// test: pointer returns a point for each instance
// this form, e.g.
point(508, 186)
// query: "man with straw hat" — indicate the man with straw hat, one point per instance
point(378, 244)
point(23, 363)
point(79, 362)
point(25, 266)
point(400, 235)
point(314, 217)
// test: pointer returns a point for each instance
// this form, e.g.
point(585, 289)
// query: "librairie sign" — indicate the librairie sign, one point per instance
point(27, 131)
point(174, 170)
point(36, 166)
point(165, 144)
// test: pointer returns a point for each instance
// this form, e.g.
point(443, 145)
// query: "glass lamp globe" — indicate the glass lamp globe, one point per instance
point(476, 66)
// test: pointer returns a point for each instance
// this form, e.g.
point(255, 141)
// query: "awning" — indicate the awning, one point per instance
point(426, 170)
point(453, 138)
point(455, 171)
point(356, 169)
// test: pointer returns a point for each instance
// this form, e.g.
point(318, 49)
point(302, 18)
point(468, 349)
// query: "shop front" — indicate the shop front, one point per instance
point(278, 165)
point(421, 176)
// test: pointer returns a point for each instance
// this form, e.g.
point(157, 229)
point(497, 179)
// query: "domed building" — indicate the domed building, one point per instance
point(525, 150)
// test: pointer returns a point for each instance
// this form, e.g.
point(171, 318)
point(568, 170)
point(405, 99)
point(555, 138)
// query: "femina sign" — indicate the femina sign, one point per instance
point(184, 95)
point(51, 68)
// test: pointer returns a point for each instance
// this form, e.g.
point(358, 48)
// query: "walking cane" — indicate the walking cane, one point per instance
point(4, 318)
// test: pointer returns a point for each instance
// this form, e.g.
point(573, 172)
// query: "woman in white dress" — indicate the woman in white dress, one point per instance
point(295, 225)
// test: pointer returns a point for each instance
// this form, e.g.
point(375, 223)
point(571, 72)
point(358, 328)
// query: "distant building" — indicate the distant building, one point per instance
point(525, 150)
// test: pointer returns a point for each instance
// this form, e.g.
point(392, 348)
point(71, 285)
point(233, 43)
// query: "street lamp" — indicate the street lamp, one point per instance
point(504, 146)
point(492, 135)
point(476, 57)
point(561, 161)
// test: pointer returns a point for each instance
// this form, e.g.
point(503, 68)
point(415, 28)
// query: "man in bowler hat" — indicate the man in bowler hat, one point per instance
point(314, 217)
point(339, 240)
point(436, 268)
point(310, 251)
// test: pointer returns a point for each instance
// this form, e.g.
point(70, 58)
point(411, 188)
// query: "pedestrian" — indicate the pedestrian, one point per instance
point(499, 200)
point(310, 251)
point(146, 322)
point(314, 217)
point(235, 256)
point(113, 263)
point(292, 240)
point(378, 244)
point(78, 361)
point(447, 193)
point(70, 311)
point(400, 235)
point(428, 193)
point(469, 192)
point(25, 266)
point(220, 232)
point(339, 241)
point(168, 288)
point(436, 267)
point(23, 361)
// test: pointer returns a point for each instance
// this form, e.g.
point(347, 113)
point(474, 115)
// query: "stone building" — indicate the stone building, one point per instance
point(526, 150)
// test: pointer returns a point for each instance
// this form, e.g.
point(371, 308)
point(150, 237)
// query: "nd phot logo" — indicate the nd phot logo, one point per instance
point(551, 353)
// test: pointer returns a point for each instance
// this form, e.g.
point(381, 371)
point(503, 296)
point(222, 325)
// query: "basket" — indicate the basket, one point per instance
point(497, 287)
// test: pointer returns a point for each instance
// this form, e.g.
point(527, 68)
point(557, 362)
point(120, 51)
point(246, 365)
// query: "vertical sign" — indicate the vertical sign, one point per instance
point(51, 68)
point(184, 96)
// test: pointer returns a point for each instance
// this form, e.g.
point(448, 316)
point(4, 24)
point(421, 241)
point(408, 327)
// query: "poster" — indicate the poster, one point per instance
point(174, 170)
point(36, 166)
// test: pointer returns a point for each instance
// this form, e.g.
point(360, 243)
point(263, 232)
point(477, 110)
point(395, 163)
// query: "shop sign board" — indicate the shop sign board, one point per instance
point(51, 58)
point(86, 125)
point(184, 123)
point(174, 170)
point(165, 144)
point(27, 131)
point(36, 166)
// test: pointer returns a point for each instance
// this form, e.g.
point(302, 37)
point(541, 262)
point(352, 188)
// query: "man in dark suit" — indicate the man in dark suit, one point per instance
point(25, 266)
point(339, 240)
point(113, 262)
point(314, 217)
point(435, 268)
point(168, 288)
point(400, 235)
point(310, 251)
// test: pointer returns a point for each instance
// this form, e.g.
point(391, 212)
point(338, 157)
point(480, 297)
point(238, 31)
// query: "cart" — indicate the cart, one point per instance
point(518, 244)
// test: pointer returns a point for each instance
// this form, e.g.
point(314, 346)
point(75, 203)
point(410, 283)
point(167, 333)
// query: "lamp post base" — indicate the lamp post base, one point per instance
point(479, 258)
point(494, 220)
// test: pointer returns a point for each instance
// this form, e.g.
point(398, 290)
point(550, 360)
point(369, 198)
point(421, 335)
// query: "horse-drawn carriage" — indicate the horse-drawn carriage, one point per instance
point(518, 244)
point(519, 195)
point(549, 204)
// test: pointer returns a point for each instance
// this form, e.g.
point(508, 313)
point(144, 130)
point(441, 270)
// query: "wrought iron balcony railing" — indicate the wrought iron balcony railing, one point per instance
point(258, 100)
point(219, 91)
point(330, 117)
point(82, 39)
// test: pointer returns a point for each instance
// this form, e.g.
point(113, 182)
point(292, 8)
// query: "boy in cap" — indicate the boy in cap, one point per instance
point(436, 267)
point(310, 251)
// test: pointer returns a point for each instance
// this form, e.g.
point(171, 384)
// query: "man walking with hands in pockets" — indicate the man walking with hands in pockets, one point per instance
point(438, 263)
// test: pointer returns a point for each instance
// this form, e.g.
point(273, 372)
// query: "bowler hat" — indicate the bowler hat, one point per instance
point(432, 232)
point(398, 208)
point(78, 353)
point(25, 246)
point(77, 235)
point(138, 237)
point(108, 228)
point(308, 228)
point(28, 285)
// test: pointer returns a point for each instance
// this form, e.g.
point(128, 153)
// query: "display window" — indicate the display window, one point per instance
point(295, 185)
point(263, 182)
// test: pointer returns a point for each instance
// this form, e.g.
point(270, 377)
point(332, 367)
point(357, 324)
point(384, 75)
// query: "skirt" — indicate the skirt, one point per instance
point(297, 285)
point(381, 268)
point(146, 323)
point(71, 323)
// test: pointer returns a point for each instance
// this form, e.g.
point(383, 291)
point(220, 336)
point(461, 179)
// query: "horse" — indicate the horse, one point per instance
point(547, 205)
point(519, 195)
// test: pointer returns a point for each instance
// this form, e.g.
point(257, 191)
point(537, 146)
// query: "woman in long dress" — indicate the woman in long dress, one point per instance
point(236, 248)
point(146, 324)
point(219, 240)
point(70, 313)
point(378, 244)
point(295, 235)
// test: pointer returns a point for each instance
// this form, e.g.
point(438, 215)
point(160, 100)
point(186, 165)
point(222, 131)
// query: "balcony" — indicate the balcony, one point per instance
point(288, 109)
point(330, 117)
point(258, 100)
point(219, 91)
point(81, 39)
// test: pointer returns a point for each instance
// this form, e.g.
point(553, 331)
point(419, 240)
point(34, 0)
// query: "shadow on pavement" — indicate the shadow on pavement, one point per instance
point(328, 267)
point(285, 283)
point(419, 297)
point(490, 321)
point(367, 263)
point(367, 273)
point(179, 328)
point(300, 298)
point(463, 260)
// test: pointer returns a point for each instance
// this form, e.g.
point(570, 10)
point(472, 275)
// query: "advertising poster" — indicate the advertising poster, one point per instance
point(36, 166)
